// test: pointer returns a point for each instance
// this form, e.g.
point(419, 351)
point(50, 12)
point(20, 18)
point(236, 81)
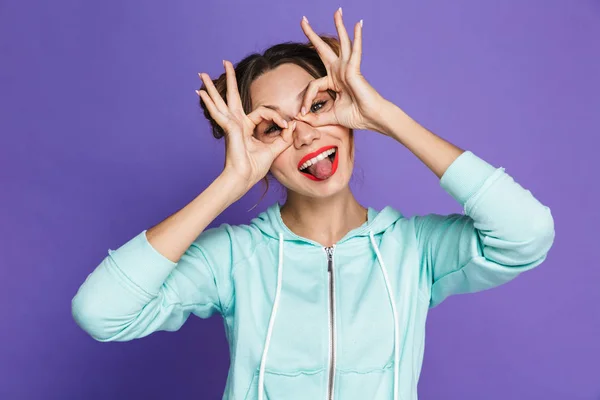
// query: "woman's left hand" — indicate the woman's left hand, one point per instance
point(358, 104)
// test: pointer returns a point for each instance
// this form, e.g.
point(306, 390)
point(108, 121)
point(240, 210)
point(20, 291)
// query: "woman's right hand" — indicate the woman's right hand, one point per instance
point(246, 158)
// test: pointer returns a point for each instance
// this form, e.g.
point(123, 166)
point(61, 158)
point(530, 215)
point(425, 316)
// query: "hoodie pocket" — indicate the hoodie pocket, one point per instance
point(298, 386)
point(374, 384)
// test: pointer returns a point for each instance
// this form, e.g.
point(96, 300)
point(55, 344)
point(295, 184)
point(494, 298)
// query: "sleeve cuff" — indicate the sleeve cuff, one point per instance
point(465, 176)
point(142, 263)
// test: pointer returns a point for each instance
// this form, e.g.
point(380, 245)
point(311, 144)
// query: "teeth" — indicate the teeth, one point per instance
point(316, 159)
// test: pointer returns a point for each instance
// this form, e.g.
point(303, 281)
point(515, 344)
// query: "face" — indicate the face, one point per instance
point(302, 168)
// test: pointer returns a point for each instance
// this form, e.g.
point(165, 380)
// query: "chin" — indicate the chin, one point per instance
point(324, 190)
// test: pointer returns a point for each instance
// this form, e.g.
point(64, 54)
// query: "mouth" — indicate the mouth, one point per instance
point(320, 165)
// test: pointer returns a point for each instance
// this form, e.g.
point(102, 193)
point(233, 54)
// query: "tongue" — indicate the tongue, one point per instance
point(322, 169)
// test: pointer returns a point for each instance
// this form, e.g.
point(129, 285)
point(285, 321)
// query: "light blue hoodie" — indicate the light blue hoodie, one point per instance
point(308, 322)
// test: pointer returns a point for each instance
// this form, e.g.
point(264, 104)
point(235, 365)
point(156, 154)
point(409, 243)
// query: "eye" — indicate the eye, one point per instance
point(317, 105)
point(272, 128)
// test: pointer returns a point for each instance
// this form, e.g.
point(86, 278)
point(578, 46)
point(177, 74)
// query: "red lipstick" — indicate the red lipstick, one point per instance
point(316, 153)
point(313, 154)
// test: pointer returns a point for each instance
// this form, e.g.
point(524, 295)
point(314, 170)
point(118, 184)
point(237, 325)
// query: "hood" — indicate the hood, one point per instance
point(270, 224)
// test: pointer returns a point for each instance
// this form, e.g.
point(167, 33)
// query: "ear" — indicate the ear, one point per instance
point(352, 144)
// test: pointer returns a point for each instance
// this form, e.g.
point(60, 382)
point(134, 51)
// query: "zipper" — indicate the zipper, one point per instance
point(329, 252)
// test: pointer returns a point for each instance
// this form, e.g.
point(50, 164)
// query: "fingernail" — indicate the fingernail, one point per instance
point(285, 124)
point(223, 62)
point(340, 10)
point(198, 92)
point(361, 23)
point(303, 111)
point(305, 19)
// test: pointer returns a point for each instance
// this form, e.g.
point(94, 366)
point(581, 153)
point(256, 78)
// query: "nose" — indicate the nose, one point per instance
point(305, 134)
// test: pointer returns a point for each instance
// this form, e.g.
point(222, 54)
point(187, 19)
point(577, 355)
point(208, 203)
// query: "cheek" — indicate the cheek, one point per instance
point(342, 133)
point(346, 138)
point(281, 164)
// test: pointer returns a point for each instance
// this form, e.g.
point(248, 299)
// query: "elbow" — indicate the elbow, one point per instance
point(532, 251)
point(526, 248)
point(89, 316)
point(543, 223)
point(543, 234)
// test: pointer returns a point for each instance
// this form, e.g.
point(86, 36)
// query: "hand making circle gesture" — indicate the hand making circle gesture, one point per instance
point(246, 157)
point(357, 103)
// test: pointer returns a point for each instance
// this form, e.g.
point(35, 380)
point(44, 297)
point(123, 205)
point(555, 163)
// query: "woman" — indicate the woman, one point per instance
point(321, 297)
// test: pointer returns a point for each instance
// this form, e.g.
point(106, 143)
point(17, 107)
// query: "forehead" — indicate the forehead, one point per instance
point(280, 86)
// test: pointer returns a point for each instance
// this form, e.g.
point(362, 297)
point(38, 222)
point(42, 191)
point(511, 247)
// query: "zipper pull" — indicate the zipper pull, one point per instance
point(329, 251)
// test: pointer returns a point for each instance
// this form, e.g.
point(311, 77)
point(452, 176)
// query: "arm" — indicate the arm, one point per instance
point(436, 153)
point(155, 280)
point(176, 233)
point(505, 230)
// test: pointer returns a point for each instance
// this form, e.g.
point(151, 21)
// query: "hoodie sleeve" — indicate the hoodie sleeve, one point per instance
point(504, 231)
point(136, 290)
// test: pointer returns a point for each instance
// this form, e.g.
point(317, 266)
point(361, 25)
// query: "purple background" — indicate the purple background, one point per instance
point(101, 137)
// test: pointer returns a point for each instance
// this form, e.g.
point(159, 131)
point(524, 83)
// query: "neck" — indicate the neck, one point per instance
point(323, 220)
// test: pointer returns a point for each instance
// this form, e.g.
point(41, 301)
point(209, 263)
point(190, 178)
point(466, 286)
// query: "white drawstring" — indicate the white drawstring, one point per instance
point(263, 360)
point(395, 314)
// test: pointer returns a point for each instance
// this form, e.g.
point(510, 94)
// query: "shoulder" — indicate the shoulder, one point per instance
point(416, 224)
point(238, 241)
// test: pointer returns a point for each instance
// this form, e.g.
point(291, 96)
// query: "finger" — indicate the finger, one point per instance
point(314, 87)
point(212, 110)
point(233, 95)
point(326, 53)
point(266, 114)
point(321, 119)
point(355, 59)
point(345, 43)
point(284, 140)
point(213, 93)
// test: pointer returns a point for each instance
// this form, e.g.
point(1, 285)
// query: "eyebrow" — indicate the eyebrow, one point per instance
point(300, 96)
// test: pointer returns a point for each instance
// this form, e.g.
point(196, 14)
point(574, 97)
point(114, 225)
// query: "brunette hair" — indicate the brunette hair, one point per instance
point(251, 67)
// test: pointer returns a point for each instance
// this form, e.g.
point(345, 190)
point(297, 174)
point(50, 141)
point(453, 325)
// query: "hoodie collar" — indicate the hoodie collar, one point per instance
point(271, 224)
